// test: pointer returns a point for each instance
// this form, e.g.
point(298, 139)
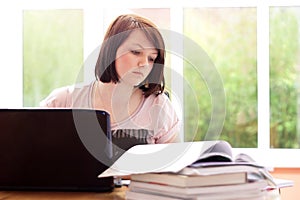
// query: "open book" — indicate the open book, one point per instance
point(171, 157)
point(187, 158)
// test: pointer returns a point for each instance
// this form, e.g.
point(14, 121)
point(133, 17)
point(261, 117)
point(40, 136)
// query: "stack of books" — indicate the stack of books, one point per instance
point(200, 183)
point(199, 170)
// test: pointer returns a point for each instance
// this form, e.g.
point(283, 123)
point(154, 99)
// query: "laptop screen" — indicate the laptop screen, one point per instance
point(54, 149)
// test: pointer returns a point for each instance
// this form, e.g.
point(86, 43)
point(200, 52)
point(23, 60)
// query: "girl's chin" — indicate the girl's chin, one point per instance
point(132, 83)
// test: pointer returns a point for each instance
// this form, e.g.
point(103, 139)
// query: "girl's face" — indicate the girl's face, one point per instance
point(135, 58)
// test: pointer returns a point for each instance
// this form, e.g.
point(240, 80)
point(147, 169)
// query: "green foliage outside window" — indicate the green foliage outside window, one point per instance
point(52, 51)
point(228, 35)
point(284, 77)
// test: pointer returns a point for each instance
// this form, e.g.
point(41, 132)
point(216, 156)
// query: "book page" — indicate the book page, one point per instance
point(170, 157)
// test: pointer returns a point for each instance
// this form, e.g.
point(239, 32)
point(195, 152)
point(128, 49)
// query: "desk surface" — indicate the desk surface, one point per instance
point(116, 194)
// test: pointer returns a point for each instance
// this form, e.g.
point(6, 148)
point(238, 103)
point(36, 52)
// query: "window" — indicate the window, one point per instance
point(228, 36)
point(258, 63)
point(284, 77)
point(52, 51)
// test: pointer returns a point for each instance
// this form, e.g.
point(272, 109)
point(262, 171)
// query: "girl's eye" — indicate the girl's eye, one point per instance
point(135, 52)
point(151, 59)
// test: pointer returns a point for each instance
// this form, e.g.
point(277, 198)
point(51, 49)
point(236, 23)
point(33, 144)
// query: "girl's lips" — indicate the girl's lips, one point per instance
point(138, 73)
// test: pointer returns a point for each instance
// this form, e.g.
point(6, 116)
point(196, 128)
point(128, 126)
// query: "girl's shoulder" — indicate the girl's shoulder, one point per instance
point(158, 98)
point(154, 100)
point(68, 96)
point(57, 98)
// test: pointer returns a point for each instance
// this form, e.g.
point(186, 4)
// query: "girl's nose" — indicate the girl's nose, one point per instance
point(143, 61)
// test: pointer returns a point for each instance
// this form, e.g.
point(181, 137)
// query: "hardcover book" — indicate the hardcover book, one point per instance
point(181, 180)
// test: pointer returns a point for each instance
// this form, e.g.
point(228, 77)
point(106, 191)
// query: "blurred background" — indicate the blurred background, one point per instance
point(53, 56)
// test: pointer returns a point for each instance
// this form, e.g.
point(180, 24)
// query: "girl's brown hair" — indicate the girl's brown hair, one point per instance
point(116, 34)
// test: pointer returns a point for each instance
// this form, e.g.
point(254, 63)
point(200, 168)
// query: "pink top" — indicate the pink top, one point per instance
point(155, 120)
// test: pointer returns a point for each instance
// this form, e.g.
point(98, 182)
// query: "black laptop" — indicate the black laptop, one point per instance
point(54, 149)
